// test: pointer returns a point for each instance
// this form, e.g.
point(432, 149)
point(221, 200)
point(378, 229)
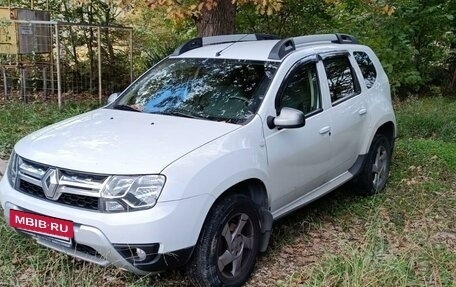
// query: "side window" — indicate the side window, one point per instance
point(341, 80)
point(302, 91)
point(367, 68)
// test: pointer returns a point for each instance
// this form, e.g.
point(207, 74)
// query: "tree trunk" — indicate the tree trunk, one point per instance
point(452, 85)
point(217, 21)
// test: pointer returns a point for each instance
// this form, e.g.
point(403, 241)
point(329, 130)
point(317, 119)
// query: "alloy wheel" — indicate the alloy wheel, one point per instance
point(380, 168)
point(235, 245)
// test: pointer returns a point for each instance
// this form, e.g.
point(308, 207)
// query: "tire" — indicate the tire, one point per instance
point(225, 255)
point(374, 174)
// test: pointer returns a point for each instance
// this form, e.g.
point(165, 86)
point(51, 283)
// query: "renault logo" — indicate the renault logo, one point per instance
point(50, 182)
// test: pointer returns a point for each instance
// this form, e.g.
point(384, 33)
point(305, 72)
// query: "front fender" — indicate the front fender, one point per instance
point(218, 165)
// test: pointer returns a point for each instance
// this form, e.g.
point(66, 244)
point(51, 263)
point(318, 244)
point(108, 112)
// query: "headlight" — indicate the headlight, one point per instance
point(124, 193)
point(12, 169)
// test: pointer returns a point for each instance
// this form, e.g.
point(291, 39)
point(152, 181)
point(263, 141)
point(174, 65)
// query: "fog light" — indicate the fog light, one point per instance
point(141, 254)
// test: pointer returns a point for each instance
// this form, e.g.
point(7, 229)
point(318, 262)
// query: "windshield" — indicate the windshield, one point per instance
point(213, 89)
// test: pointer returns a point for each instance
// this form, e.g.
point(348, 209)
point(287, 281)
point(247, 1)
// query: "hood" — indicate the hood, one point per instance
point(109, 141)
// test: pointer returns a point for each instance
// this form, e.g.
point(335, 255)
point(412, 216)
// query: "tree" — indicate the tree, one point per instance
point(212, 17)
point(411, 37)
point(297, 17)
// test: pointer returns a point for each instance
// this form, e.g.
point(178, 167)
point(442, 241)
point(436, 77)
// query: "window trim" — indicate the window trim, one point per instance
point(325, 55)
point(290, 74)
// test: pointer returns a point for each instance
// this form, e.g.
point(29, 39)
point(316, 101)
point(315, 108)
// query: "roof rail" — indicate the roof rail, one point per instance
point(285, 46)
point(204, 41)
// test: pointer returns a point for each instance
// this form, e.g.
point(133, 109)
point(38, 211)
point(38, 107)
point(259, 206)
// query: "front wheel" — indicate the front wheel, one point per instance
point(226, 251)
point(375, 172)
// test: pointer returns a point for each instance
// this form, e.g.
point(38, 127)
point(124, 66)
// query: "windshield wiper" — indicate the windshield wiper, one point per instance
point(182, 113)
point(125, 108)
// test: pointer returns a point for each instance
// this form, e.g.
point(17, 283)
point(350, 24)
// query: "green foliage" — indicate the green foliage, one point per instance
point(153, 56)
point(156, 36)
point(427, 118)
point(414, 39)
point(411, 40)
point(294, 19)
point(422, 150)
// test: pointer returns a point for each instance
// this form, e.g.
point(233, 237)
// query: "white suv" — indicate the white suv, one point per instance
point(193, 162)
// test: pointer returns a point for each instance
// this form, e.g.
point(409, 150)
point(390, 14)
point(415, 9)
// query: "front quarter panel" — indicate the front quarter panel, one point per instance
point(218, 165)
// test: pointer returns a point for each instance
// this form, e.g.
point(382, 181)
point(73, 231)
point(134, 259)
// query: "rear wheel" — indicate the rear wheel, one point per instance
point(375, 172)
point(226, 251)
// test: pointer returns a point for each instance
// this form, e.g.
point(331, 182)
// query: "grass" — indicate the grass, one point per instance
point(429, 118)
point(406, 236)
point(403, 237)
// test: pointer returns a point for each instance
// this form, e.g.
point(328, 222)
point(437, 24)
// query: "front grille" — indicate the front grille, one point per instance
point(80, 201)
point(34, 190)
point(72, 188)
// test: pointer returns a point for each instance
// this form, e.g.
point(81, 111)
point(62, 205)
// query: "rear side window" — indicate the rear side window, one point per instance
point(341, 80)
point(367, 68)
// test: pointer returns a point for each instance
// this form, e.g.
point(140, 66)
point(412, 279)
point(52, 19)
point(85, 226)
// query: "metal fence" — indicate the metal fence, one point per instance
point(84, 59)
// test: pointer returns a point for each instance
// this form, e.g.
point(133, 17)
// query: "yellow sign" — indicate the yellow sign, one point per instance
point(8, 35)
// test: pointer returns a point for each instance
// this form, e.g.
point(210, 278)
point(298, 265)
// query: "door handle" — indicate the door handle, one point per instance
point(362, 111)
point(325, 130)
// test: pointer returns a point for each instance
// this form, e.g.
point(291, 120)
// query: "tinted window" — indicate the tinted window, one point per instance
point(340, 78)
point(302, 92)
point(367, 68)
point(214, 89)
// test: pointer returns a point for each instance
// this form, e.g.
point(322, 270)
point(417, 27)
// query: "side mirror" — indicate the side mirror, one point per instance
point(113, 97)
point(287, 119)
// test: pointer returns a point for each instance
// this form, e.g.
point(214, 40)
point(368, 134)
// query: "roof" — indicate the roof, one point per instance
point(261, 47)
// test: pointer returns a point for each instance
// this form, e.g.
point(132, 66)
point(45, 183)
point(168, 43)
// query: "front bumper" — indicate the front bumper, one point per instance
point(170, 228)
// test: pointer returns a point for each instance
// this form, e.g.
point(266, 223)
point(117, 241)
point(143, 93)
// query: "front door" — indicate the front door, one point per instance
point(299, 158)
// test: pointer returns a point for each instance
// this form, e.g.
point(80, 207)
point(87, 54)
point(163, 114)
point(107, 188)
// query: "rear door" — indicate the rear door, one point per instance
point(348, 110)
